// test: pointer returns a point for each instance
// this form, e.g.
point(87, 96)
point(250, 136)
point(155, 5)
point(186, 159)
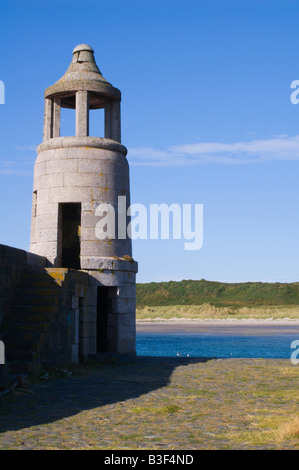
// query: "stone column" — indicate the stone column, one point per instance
point(107, 121)
point(56, 117)
point(82, 114)
point(115, 120)
point(48, 119)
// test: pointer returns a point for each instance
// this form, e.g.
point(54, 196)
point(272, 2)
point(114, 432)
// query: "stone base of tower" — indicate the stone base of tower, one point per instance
point(52, 317)
point(108, 317)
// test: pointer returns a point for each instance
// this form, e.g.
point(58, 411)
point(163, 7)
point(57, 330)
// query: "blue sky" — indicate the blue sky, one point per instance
point(206, 117)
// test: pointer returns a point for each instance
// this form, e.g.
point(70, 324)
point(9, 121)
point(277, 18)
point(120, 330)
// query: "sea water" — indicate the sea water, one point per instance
point(197, 345)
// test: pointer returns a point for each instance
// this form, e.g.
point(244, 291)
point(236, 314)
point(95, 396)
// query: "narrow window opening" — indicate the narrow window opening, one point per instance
point(34, 203)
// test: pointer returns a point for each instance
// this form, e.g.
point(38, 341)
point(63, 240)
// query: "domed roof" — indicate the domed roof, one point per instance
point(83, 74)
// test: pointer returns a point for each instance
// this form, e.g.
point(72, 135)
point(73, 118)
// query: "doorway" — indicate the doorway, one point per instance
point(70, 228)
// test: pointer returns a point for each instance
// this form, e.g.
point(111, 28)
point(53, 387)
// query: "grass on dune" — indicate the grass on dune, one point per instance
point(207, 311)
point(217, 293)
point(215, 300)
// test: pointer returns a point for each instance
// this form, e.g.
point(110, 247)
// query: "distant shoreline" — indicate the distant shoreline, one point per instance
point(176, 321)
point(242, 327)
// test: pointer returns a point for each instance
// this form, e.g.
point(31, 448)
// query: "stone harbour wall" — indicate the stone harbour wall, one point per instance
point(39, 315)
point(12, 263)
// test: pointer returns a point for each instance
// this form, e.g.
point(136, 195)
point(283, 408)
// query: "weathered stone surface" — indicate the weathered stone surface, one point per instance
point(48, 249)
point(45, 209)
point(12, 263)
point(88, 330)
point(47, 235)
point(43, 196)
point(48, 181)
point(46, 221)
point(89, 314)
point(88, 346)
point(92, 180)
point(60, 165)
point(124, 306)
point(40, 169)
point(79, 143)
point(70, 194)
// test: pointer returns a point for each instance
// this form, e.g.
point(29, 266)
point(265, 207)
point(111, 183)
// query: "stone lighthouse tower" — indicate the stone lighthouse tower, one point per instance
point(81, 195)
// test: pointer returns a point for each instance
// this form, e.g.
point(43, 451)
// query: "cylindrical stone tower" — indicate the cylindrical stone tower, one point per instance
point(75, 179)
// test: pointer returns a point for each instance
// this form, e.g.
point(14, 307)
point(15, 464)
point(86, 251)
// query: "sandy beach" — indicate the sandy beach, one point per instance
point(246, 327)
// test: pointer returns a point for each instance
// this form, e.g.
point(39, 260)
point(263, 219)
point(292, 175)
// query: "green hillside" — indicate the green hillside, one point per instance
point(247, 294)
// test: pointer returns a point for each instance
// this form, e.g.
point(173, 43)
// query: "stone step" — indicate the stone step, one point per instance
point(33, 318)
point(39, 275)
point(21, 356)
point(11, 337)
point(38, 278)
point(54, 271)
point(30, 271)
point(45, 275)
point(39, 284)
point(35, 309)
point(24, 346)
point(58, 274)
point(37, 327)
point(17, 367)
point(30, 291)
point(35, 300)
